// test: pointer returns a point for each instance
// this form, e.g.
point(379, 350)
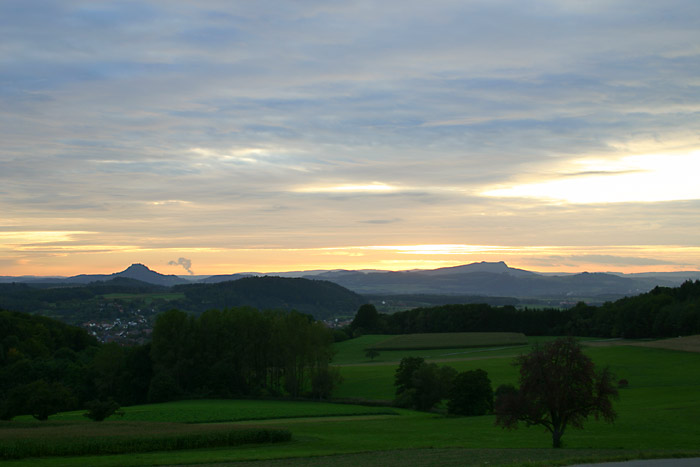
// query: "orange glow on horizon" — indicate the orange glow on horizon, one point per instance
point(89, 259)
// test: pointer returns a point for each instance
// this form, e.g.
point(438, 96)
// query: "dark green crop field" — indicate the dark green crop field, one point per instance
point(657, 417)
point(450, 340)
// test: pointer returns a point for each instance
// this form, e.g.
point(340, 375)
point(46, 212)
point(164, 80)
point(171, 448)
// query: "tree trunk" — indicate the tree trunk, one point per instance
point(556, 438)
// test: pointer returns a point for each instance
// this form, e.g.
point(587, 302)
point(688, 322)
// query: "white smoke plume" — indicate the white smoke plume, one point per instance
point(185, 263)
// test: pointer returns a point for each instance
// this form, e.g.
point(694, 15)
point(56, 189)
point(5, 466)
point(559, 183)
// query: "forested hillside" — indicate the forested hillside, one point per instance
point(322, 299)
point(123, 309)
point(662, 312)
point(41, 355)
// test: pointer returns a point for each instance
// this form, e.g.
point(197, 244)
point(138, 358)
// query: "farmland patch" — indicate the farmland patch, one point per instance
point(686, 343)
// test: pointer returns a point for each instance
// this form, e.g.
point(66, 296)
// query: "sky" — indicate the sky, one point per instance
point(216, 137)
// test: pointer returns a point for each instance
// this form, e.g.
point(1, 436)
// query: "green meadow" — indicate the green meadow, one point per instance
point(657, 417)
point(213, 410)
point(353, 351)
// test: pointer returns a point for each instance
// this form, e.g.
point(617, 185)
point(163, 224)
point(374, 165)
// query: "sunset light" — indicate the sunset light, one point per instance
point(644, 178)
point(234, 137)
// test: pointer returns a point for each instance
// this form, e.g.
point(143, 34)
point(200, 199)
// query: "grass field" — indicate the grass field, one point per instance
point(218, 411)
point(658, 416)
point(352, 352)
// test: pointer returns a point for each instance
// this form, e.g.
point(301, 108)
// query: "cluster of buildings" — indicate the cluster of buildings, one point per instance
point(133, 329)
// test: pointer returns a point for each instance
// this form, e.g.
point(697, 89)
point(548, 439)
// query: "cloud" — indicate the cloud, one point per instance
point(184, 262)
point(374, 187)
point(615, 260)
point(110, 110)
point(645, 178)
point(380, 221)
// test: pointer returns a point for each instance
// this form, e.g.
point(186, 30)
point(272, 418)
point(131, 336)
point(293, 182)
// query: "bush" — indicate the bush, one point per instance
point(404, 373)
point(339, 335)
point(421, 385)
point(623, 383)
point(432, 384)
point(98, 410)
point(505, 390)
point(471, 394)
point(323, 382)
point(6, 410)
point(40, 399)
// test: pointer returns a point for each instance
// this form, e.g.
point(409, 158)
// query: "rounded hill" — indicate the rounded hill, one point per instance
point(319, 298)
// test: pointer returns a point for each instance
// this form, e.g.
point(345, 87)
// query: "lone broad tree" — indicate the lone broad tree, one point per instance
point(559, 387)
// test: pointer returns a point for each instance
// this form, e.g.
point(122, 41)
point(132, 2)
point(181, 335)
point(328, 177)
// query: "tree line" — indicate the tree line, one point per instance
point(240, 352)
point(47, 366)
point(662, 312)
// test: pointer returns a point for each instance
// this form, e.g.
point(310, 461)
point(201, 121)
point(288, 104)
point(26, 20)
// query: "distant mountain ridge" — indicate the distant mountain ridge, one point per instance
point(494, 279)
point(136, 271)
point(490, 279)
point(507, 283)
point(499, 267)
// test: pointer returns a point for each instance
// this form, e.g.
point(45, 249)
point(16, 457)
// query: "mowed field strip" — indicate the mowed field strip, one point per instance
point(685, 344)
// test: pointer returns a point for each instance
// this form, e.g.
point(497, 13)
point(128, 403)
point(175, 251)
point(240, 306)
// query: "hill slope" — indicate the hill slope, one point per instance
point(495, 279)
point(322, 299)
point(136, 271)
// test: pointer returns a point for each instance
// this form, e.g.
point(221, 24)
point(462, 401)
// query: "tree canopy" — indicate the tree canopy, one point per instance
point(559, 387)
point(421, 385)
point(239, 351)
point(471, 394)
point(47, 366)
point(366, 319)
